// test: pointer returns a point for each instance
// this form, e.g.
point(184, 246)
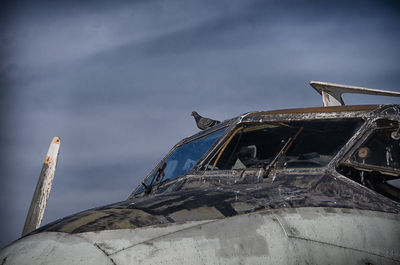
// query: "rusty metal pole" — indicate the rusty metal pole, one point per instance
point(42, 191)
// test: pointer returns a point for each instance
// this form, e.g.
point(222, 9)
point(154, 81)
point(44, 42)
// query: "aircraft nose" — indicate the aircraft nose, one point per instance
point(53, 248)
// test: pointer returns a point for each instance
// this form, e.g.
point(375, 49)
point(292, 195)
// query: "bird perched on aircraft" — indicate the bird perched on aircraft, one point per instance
point(202, 122)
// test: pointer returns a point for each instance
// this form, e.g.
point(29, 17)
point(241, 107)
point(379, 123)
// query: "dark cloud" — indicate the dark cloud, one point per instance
point(117, 81)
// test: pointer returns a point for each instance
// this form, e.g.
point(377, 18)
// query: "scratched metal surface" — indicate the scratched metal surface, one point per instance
point(311, 235)
point(205, 198)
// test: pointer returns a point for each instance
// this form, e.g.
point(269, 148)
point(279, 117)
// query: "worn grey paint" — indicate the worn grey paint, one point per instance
point(282, 236)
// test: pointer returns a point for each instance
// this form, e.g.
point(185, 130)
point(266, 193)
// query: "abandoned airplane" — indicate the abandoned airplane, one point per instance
point(298, 186)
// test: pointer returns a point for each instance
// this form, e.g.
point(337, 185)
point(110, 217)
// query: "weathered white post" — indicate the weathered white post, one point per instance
point(42, 192)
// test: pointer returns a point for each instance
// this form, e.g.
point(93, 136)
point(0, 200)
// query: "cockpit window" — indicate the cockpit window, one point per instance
point(381, 149)
point(180, 161)
point(375, 163)
point(255, 146)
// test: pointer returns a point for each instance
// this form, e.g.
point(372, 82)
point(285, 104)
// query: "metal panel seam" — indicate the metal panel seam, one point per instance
point(144, 242)
point(98, 247)
point(280, 221)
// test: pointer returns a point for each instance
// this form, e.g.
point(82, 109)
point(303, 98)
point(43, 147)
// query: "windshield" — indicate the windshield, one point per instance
point(381, 149)
point(180, 161)
point(255, 146)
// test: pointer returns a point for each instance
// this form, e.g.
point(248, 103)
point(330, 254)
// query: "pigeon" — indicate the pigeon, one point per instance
point(202, 122)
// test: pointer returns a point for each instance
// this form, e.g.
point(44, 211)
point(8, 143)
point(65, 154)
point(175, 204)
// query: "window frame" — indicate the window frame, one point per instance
point(178, 145)
point(207, 164)
point(348, 161)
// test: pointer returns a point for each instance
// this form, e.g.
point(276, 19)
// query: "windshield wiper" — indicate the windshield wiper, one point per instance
point(157, 176)
point(281, 153)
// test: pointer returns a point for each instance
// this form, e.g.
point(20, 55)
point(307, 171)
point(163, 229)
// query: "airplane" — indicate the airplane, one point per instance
point(317, 185)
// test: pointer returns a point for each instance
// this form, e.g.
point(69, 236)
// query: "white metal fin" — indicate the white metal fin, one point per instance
point(332, 93)
point(42, 191)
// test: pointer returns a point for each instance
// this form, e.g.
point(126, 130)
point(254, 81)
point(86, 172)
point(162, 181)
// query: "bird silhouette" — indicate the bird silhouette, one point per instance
point(202, 122)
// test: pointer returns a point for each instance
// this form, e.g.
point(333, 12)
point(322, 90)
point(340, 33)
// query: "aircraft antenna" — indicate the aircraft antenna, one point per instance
point(332, 93)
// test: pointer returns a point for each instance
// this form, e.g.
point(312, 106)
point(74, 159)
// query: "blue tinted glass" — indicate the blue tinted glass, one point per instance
point(183, 159)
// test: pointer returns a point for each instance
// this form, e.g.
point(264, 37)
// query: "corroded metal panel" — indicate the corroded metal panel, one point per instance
point(53, 248)
point(261, 238)
point(318, 110)
point(197, 198)
point(310, 235)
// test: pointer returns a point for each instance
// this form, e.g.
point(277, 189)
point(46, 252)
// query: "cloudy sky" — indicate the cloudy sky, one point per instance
point(117, 81)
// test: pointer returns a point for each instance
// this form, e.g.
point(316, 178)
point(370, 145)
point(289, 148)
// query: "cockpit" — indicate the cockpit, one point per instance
point(365, 152)
point(256, 145)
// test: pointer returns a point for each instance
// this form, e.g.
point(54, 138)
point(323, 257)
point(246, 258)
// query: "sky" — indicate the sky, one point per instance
point(117, 81)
